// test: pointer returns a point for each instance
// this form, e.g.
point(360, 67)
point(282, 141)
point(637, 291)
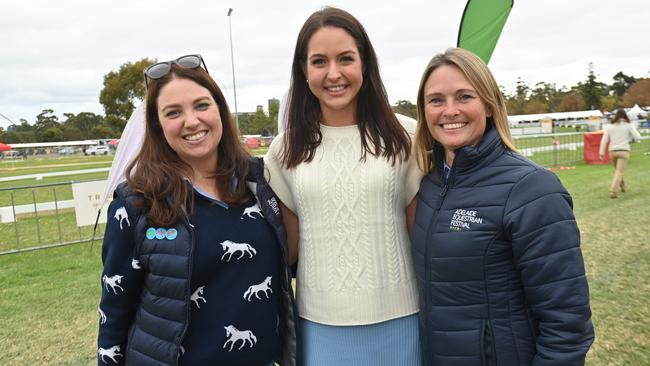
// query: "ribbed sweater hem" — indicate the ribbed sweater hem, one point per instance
point(358, 308)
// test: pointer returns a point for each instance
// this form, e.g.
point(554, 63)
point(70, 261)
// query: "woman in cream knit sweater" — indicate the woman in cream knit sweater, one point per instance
point(619, 134)
point(344, 173)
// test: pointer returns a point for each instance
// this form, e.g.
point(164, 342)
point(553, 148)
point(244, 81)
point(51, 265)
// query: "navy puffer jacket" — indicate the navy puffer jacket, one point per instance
point(161, 318)
point(497, 256)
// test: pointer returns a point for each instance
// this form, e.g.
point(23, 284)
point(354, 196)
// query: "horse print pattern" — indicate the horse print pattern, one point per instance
point(256, 289)
point(102, 316)
point(254, 209)
point(110, 353)
point(135, 264)
point(121, 281)
point(196, 296)
point(234, 335)
point(114, 282)
point(121, 215)
point(231, 248)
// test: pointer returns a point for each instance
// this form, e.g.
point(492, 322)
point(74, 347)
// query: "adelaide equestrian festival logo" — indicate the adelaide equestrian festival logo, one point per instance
point(462, 219)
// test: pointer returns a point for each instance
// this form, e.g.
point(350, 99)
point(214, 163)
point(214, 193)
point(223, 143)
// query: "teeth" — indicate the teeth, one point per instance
point(196, 136)
point(336, 88)
point(450, 126)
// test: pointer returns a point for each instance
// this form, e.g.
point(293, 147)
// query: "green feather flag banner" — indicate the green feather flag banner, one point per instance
point(481, 26)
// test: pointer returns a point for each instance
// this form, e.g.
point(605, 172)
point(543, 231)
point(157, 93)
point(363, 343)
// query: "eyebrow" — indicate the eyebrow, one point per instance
point(456, 92)
point(340, 54)
point(176, 105)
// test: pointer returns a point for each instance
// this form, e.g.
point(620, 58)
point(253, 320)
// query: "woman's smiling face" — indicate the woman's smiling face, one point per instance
point(190, 121)
point(335, 73)
point(454, 112)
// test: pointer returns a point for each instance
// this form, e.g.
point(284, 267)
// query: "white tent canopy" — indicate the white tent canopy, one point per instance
point(636, 111)
point(558, 116)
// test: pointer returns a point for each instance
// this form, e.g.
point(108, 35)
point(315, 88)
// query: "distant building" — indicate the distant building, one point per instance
point(273, 102)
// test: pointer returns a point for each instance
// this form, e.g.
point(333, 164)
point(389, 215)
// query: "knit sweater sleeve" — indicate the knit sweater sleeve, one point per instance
point(546, 251)
point(603, 141)
point(122, 281)
point(413, 175)
point(278, 177)
point(636, 136)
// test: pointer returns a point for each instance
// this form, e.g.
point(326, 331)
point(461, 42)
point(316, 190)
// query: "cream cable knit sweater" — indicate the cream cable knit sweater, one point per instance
point(354, 264)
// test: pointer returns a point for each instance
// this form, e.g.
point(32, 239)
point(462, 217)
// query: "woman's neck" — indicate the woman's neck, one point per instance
point(449, 157)
point(338, 118)
point(207, 183)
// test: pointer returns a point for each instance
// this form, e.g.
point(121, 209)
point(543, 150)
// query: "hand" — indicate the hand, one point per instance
point(602, 157)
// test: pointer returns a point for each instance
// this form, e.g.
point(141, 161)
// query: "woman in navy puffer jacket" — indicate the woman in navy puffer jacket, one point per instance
point(495, 243)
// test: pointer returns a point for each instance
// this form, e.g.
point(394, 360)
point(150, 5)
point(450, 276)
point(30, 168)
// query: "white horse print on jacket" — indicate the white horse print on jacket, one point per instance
point(249, 211)
point(196, 296)
point(102, 316)
point(113, 281)
point(121, 215)
point(231, 248)
point(110, 353)
point(255, 289)
point(234, 335)
point(135, 264)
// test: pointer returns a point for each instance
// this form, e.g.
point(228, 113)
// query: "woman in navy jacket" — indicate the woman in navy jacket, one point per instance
point(195, 254)
point(495, 243)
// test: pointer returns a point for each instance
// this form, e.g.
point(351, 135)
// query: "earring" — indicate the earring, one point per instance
point(307, 81)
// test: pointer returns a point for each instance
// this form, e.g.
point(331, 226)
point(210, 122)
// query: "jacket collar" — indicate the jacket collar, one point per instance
point(467, 157)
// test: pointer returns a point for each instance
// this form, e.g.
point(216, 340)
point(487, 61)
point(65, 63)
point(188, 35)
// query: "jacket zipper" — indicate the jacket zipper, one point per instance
point(487, 348)
point(427, 272)
point(188, 225)
point(283, 253)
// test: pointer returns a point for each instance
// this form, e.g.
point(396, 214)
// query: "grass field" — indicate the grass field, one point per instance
point(48, 298)
point(50, 165)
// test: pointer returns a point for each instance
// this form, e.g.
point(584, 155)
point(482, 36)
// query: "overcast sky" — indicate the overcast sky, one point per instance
point(54, 54)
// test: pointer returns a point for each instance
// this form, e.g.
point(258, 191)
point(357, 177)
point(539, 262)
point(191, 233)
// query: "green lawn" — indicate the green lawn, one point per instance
point(50, 230)
point(615, 237)
point(48, 298)
point(47, 165)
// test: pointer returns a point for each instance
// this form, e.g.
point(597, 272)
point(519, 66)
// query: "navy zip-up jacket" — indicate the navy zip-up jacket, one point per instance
point(497, 256)
point(150, 331)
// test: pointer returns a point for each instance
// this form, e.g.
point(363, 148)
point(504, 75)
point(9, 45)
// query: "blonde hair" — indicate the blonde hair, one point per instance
point(480, 77)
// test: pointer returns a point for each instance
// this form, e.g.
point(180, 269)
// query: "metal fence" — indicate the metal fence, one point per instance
point(40, 216)
point(552, 150)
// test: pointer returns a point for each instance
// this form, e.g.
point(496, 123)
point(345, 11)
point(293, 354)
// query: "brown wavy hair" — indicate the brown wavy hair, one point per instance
point(159, 174)
point(381, 132)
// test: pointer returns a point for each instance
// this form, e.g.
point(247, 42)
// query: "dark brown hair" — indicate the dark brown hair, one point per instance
point(159, 174)
point(620, 116)
point(381, 132)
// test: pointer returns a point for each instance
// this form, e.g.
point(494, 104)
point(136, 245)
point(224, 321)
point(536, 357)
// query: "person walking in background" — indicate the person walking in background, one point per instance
point(619, 134)
point(344, 172)
point(496, 247)
point(195, 254)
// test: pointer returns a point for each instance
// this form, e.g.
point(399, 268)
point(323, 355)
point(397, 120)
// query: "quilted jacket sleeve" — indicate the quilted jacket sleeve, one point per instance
point(546, 250)
point(122, 281)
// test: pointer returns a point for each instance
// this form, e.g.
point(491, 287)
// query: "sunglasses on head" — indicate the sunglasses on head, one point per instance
point(160, 69)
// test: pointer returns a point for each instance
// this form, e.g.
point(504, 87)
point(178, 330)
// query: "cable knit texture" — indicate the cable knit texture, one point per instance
point(354, 264)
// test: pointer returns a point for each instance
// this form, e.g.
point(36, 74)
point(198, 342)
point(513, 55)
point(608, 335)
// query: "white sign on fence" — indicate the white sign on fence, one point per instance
point(87, 198)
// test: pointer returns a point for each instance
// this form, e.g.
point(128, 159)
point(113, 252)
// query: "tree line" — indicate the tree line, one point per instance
point(124, 88)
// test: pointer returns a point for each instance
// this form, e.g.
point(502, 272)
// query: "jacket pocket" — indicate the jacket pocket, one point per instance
point(488, 352)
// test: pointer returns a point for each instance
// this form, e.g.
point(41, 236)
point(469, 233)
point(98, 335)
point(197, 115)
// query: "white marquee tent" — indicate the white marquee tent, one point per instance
point(636, 111)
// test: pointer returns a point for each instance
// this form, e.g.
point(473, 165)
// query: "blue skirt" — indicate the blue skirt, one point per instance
point(389, 343)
